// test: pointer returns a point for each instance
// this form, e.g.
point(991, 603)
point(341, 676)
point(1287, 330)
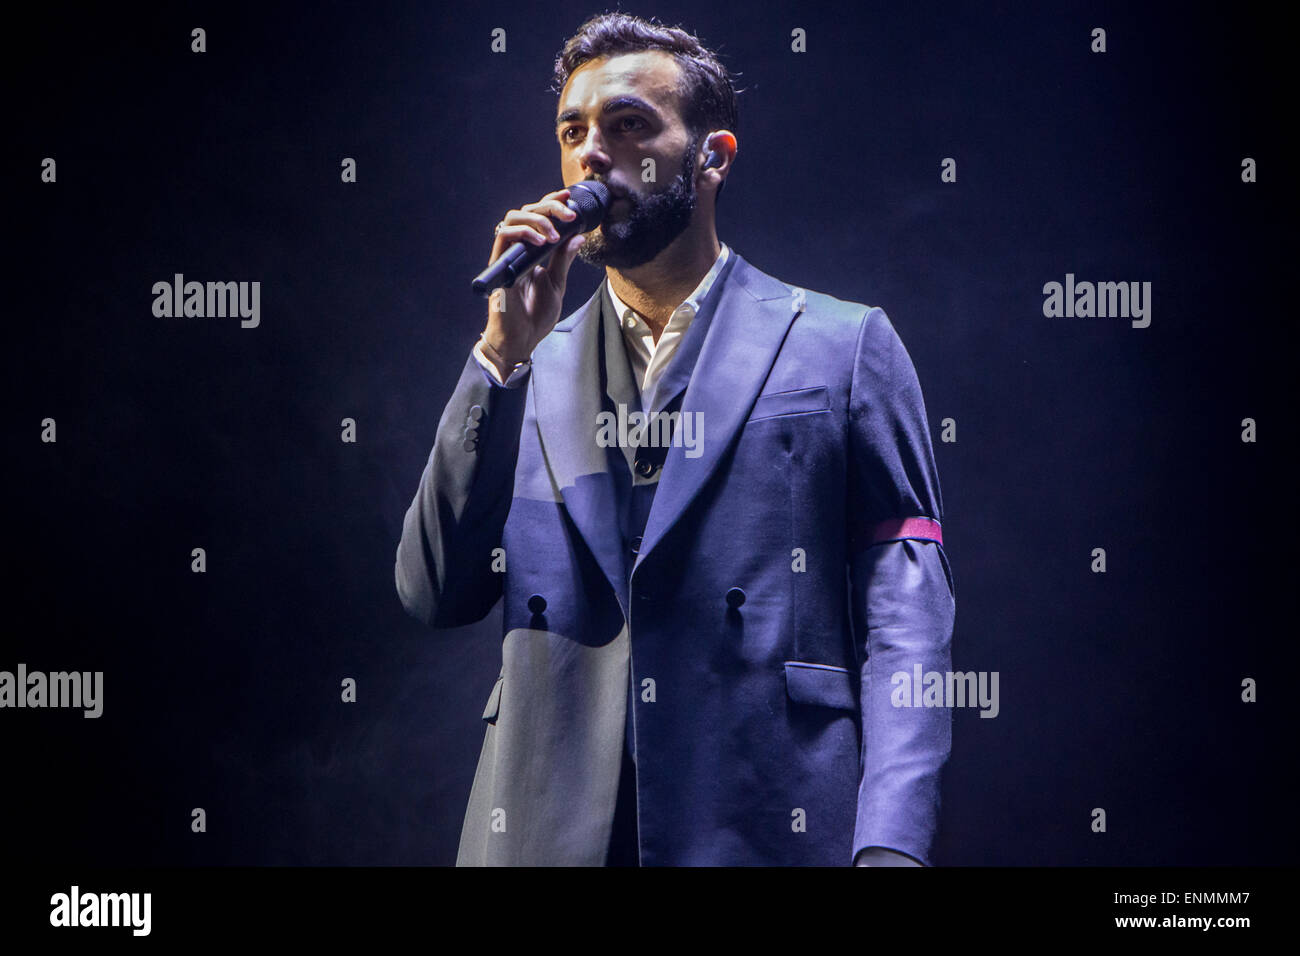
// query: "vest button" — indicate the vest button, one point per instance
point(537, 604)
point(735, 597)
point(644, 467)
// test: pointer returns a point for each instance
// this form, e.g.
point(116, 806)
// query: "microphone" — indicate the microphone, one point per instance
point(589, 199)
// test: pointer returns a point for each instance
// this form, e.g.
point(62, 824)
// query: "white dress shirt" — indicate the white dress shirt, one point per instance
point(648, 357)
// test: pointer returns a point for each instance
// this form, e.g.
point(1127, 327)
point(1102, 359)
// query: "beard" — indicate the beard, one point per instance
point(648, 226)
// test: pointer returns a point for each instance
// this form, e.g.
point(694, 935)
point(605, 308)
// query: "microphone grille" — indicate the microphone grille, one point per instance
point(590, 200)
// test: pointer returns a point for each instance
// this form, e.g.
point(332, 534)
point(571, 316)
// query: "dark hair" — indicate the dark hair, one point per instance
point(706, 88)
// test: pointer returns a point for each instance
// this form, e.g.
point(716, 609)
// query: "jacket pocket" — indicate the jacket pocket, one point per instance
point(820, 684)
point(494, 702)
point(815, 398)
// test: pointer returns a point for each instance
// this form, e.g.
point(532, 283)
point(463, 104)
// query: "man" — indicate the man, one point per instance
point(700, 625)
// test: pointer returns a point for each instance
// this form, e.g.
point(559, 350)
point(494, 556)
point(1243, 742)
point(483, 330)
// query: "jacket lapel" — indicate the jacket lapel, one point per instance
point(569, 383)
point(744, 335)
point(620, 382)
point(569, 391)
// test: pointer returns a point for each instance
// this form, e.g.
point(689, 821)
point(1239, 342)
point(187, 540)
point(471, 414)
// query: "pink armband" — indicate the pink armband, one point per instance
point(896, 529)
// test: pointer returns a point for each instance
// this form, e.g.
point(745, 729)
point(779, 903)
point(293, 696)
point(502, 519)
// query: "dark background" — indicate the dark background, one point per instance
point(221, 690)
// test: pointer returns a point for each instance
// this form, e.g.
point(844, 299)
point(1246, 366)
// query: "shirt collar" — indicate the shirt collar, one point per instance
point(687, 309)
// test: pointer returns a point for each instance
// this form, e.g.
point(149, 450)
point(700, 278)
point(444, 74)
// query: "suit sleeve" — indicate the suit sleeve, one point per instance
point(902, 595)
point(444, 570)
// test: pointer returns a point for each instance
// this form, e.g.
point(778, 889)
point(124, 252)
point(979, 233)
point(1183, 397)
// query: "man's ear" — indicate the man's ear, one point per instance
point(720, 149)
point(720, 153)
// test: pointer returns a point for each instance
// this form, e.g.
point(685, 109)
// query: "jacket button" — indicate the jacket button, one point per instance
point(537, 604)
point(735, 597)
point(635, 545)
point(475, 413)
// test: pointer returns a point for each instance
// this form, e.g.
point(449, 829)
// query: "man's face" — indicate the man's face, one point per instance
point(614, 114)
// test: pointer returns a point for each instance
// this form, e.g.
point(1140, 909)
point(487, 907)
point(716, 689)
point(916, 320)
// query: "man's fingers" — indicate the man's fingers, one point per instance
point(541, 223)
point(509, 235)
point(551, 207)
point(563, 257)
point(533, 223)
point(570, 248)
point(512, 234)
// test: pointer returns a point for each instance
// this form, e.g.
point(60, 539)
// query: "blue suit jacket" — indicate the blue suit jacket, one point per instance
point(765, 733)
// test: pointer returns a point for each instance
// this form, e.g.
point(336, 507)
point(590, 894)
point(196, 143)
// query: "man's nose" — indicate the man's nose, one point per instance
point(592, 155)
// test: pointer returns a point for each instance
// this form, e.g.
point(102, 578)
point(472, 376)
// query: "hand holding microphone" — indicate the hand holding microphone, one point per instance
point(526, 296)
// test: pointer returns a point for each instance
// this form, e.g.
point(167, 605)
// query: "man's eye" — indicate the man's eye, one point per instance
point(637, 122)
